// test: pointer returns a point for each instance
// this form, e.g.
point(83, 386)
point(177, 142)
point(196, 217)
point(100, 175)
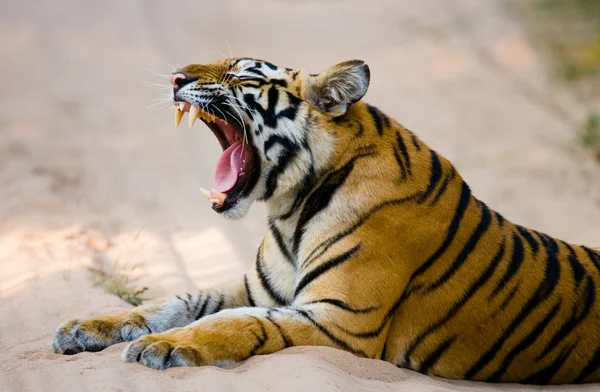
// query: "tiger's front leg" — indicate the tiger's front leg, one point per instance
point(234, 335)
point(98, 333)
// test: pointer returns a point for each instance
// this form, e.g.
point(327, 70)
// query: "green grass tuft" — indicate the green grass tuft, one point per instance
point(589, 133)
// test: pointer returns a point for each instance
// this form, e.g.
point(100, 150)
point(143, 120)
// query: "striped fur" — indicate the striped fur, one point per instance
point(375, 245)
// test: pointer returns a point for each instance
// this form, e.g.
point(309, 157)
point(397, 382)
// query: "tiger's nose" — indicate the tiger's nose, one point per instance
point(180, 79)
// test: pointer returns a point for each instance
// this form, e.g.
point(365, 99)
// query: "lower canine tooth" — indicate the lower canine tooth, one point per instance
point(194, 112)
point(178, 116)
point(219, 196)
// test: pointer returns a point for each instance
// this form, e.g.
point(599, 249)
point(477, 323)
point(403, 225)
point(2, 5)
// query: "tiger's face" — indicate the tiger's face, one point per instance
point(266, 119)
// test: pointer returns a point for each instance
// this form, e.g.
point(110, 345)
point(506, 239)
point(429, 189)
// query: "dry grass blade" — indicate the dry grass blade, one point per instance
point(116, 282)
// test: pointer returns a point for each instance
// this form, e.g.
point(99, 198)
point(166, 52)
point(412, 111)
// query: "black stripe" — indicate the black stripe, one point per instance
point(500, 219)
point(187, 305)
point(524, 344)
point(286, 340)
point(204, 306)
point(384, 351)
point(593, 256)
point(282, 164)
point(285, 143)
point(326, 266)
point(526, 234)
point(265, 282)
point(321, 197)
point(307, 184)
point(432, 358)
point(400, 164)
point(386, 119)
point(196, 310)
point(510, 296)
point(548, 242)
point(248, 292)
point(578, 269)
point(327, 333)
point(442, 189)
point(220, 304)
point(482, 227)
point(280, 243)
point(260, 339)
point(377, 118)
point(580, 310)
point(415, 142)
point(271, 66)
point(273, 176)
point(269, 115)
point(483, 279)
point(434, 179)
point(546, 287)
point(542, 238)
point(516, 260)
point(375, 333)
point(320, 249)
point(553, 244)
point(465, 197)
point(543, 377)
point(292, 110)
point(592, 366)
point(343, 305)
point(238, 60)
point(404, 152)
point(256, 71)
point(361, 130)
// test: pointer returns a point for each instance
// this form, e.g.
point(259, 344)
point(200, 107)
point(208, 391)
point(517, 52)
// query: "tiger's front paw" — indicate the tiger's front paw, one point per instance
point(96, 334)
point(161, 351)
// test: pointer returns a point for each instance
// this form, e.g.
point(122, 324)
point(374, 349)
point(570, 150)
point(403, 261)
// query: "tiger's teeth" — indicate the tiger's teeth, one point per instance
point(206, 193)
point(219, 196)
point(182, 106)
point(178, 116)
point(194, 112)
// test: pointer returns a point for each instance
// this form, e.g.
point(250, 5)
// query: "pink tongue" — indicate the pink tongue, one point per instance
point(228, 167)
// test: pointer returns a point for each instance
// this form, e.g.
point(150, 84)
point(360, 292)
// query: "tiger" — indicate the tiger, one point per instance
point(374, 245)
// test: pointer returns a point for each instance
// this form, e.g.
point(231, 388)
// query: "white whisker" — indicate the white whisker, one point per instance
point(224, 38)
point(242, 123)
point(162, 75)
point(171, 66)
point(251, 114)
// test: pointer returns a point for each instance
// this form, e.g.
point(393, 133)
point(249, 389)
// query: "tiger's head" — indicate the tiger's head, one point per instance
point(270, 123)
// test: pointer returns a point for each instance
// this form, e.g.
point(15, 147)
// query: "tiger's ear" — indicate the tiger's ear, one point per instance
point(338, 87)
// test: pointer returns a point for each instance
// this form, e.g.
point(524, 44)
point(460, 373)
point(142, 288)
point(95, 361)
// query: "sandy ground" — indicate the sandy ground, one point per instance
point(88, 171)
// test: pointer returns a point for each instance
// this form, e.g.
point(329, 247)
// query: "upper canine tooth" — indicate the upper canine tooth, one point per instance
point(182, 106)
point(194, 112)
point(178, 116)
point(206, 193)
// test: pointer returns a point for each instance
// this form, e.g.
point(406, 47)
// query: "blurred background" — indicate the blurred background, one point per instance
point(99, 193)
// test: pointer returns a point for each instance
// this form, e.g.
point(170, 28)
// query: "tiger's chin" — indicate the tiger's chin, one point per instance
point(239, 210)
point(238, 167)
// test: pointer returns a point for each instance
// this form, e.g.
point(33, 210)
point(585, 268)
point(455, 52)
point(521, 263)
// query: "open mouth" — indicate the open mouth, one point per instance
point(236, 171)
